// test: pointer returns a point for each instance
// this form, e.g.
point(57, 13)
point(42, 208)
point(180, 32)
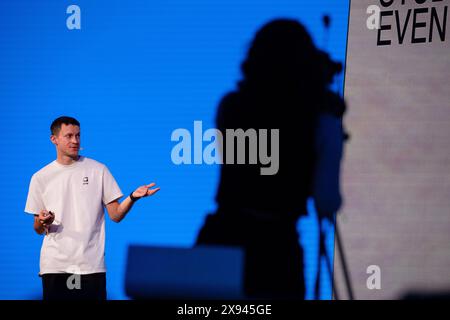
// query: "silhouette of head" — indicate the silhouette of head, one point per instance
point(282, 56)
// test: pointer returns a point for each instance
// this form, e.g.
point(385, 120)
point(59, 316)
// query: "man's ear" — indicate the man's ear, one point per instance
point(53, 139)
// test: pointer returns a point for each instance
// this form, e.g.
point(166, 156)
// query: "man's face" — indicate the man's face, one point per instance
point(67, 141)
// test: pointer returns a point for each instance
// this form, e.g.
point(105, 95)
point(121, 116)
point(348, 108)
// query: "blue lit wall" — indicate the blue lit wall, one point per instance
point(136, 71)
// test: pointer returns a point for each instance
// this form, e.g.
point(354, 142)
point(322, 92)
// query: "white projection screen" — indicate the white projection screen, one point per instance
point(395, 221)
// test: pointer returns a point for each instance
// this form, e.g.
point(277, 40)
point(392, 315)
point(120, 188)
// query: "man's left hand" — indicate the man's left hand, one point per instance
point(145, 191)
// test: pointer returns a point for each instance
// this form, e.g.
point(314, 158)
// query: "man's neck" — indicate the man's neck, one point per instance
point(66, 160)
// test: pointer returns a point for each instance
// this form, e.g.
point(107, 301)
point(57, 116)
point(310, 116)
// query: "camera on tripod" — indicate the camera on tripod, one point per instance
point(329, 67)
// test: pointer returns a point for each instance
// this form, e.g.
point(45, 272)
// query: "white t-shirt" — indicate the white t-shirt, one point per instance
point(76, 194)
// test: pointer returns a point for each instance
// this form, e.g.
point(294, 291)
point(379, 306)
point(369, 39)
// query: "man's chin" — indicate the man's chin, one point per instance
point(74, 155)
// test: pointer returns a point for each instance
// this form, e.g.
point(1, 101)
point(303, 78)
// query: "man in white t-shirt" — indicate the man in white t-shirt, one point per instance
point(67, 198)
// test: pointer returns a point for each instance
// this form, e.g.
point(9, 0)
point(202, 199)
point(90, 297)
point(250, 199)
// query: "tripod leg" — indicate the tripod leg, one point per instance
point(319, 266)
point(324, 253)
point(344, 263)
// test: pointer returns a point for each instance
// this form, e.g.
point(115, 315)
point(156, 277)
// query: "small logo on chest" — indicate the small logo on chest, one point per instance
point(85, 180)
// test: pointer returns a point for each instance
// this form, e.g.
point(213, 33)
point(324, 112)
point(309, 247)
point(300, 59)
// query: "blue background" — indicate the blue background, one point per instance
point(136, 71)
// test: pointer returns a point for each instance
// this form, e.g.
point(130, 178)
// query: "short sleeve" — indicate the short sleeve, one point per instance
point(34, 199)
point(111, 190)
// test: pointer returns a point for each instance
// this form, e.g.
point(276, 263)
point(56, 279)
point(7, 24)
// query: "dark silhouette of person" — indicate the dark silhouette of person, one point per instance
point(284, 86)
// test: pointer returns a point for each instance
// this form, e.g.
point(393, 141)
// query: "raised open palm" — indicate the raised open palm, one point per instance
point(145, 191)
